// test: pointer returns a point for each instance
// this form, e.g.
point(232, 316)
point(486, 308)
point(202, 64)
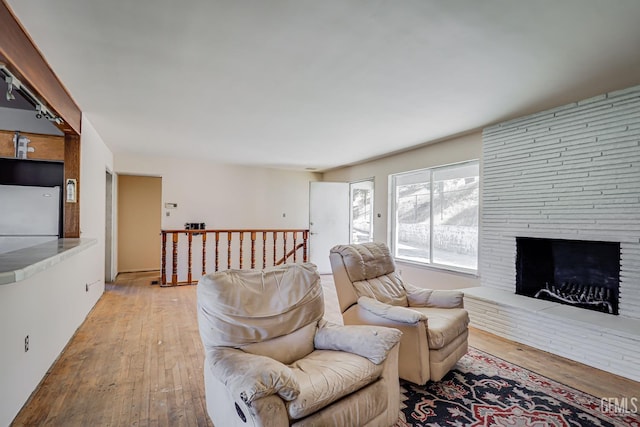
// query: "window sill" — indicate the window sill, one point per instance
point(441, 268)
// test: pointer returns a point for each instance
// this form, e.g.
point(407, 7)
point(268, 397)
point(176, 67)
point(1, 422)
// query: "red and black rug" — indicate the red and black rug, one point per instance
point(484, 390)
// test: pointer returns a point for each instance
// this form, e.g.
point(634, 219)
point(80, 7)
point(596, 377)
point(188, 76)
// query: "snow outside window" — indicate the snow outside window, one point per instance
point(435, 216)
point(361, 211)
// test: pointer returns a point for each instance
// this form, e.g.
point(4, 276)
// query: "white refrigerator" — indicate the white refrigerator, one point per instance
point(28, 216)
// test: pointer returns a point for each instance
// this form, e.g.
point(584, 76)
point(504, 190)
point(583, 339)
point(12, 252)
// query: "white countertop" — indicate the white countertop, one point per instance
point(23, 263)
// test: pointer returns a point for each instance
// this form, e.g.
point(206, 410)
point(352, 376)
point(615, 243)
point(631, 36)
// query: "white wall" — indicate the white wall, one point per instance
point(223, 196)
point(96, 159)
point(452, 150)
point(51, 305)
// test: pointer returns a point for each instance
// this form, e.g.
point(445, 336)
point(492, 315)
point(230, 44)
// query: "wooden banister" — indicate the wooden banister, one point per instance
point(292, 252)
point(275, 245)
point(174, 261)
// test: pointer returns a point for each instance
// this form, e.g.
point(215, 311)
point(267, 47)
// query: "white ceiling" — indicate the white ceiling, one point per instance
point(323, 83)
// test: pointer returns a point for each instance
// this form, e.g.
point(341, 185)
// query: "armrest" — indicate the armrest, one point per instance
point(391, 312)
point(372, 342)
point(420, 297)
point(250, 376)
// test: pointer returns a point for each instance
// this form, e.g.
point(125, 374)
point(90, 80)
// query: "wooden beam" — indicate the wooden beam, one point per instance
point(24, 60)
point(72, 171)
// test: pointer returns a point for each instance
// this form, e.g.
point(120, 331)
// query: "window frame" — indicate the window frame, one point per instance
point(352, 186)
point(393, 222)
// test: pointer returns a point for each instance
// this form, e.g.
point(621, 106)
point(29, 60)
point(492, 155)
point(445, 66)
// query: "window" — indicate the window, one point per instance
point(435, 216)
point(361, 196)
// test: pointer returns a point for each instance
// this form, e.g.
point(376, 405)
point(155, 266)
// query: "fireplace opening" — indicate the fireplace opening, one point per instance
point(580, 273)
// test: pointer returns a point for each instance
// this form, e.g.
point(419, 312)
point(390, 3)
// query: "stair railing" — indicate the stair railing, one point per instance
point(271, 247)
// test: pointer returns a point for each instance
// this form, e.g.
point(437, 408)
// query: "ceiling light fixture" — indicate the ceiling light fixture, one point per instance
point(14, 83)
point(10, 96)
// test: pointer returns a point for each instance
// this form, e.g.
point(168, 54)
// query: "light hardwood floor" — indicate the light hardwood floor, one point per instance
point(137, 361)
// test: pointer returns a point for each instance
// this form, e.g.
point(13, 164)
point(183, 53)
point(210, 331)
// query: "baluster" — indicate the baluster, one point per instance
point(295, 249)
point(189, 256)
point(253, 249)
point(229, 237)
point(284, 247)
point(241, 242)
point(264, 249)
point(217, 251)
point(174, 261)
point(163, 279)
point(254, 263)
point(204, 253)
point(275, 237)
point(305, 237)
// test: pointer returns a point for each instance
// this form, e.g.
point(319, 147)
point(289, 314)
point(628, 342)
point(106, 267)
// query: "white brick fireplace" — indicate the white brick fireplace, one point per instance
point(571, 173)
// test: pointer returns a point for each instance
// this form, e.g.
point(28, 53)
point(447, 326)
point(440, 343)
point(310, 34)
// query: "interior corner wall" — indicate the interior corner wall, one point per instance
point(225, 196)
point(95, 160)
point(453, 150)
point(49, 306)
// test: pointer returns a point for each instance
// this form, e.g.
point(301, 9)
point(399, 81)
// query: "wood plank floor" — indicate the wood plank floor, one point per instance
point(137, 361)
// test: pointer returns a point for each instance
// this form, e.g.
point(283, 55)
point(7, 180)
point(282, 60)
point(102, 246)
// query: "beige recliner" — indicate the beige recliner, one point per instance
point(272, 360)
point(434, 323)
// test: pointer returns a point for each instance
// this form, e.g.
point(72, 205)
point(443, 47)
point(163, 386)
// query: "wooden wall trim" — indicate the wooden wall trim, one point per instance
point(72, 171)
point(46, 147)
point(22, 58)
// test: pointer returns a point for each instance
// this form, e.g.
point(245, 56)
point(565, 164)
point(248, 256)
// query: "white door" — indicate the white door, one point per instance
point(328, 221)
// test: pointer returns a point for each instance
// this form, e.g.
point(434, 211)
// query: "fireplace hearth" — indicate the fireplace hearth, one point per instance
point(584, 274)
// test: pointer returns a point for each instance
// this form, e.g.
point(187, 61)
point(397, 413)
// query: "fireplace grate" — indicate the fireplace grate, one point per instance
point(593, 297)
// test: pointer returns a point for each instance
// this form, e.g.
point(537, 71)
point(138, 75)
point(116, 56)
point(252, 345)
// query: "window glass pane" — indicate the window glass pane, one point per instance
point(412, 207)
point(361, 212)
point(455, 216)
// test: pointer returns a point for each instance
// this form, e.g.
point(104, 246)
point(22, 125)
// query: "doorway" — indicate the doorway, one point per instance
point(328, 221)
point(139, 223)
point(109, 275)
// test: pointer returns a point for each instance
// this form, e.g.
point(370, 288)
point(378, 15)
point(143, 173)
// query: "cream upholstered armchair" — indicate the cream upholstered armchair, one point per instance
point(272, 360)
point(434, 323)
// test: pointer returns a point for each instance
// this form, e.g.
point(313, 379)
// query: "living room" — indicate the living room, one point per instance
point(211, 189)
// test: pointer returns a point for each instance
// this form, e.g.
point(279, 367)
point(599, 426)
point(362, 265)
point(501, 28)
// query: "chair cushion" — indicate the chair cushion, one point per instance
point(356, 409)
point(325, 376)
point(366, 261)
point(444, 324)
point(372, 342)
point(372, 271)
point(248, 376)
point(387, 289)
point(287, 348)
point(240, 307)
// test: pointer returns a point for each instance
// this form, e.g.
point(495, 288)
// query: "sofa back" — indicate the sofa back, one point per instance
point(366, 269)
point(258, 310)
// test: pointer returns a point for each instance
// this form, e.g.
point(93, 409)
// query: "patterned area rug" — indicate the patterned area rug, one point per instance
point(484, 390)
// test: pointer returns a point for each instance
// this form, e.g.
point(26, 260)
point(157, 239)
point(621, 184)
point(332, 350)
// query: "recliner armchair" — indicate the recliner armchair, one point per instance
point(434, 323)
point(272, 360)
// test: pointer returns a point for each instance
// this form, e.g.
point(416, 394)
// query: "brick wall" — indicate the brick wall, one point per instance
point(572, 172)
